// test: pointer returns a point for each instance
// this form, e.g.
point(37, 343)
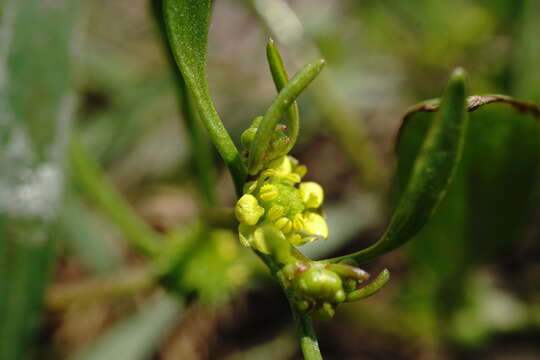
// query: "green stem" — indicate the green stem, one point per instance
point(305, 332)
point(304, 329)
point(90, 178)
point(126, 283)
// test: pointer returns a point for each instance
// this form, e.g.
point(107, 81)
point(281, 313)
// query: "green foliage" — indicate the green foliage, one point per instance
point(466, 184)
point(36, 107)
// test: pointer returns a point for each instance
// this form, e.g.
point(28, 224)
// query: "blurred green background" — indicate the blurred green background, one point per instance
point(87, 83)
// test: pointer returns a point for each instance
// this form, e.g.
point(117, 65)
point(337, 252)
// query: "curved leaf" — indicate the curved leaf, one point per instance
point(187, 24)
point(497, 185)
point(488, 205)
point(435, 162)
point(281, 103)
point(281, 78)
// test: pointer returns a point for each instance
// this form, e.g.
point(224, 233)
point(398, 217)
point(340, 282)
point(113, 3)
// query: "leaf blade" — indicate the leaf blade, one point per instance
point(187, 23)
point(432, 172)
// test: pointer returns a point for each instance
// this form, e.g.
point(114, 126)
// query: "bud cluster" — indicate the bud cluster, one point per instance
point(319, 288)
point(278, 197)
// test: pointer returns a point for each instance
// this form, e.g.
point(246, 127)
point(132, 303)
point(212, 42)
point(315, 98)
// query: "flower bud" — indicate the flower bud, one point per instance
point(315, 224)
point(282, 166)
point(268, 192)
point(312, 194)
point(284, 224)
point(247, 210)
point(321, 285)
point(275, 212)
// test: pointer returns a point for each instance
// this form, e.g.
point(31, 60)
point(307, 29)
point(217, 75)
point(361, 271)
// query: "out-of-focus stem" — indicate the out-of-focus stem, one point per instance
point(126, 283)
point(90, 178)
point(350, 135)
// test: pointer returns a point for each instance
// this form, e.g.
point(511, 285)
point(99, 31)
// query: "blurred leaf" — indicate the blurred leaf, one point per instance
point(137, 337)
point(86, 239)
point(527, 55)
point(91, 180)
point(432, 163)
point(208, 263)
point(36, 107)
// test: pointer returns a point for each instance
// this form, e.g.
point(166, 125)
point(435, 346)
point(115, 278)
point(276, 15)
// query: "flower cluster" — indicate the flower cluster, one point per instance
point(278, 197)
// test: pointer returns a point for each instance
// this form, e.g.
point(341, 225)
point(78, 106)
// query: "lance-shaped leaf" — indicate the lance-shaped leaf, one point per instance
point(275, 111)
point(435, 162)
point(489, 204)
point(281, 78)
point(187, 24)
point(494, 193)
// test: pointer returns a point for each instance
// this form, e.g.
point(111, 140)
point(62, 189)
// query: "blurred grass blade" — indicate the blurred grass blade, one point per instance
point(526, 82)
point(281, 78)
point(85, 238)
point(138, 337)
point(91, 180)
point(36, 108)
point(433, 168)
point(187, 23)
point(275, 111)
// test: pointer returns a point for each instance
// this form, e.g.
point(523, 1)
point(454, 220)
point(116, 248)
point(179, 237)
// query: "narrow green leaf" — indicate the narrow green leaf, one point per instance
point(91, 180)
point(187, 24)
point(489, 205)
point(431, 174)
point(85, 238)
point(280, 104)
point(201, 151)
point(370, 289)
point(341, 119)
point(281, 78)
point(139, 336)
